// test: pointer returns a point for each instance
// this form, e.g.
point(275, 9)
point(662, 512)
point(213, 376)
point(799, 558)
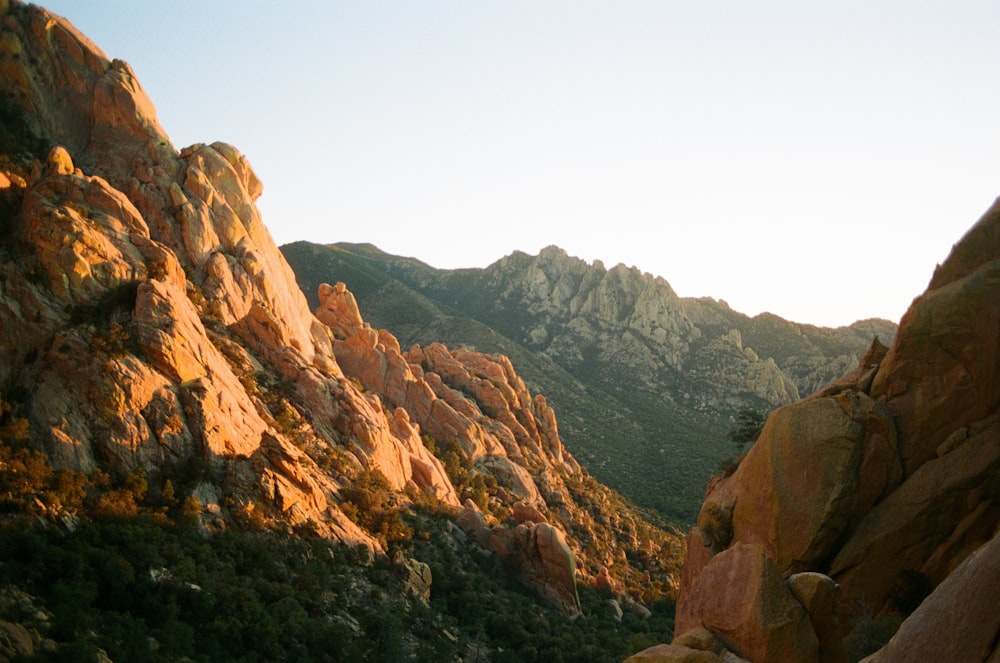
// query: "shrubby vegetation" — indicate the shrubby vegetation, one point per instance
point(120, 566)
point(468, 482)
point(749, 424)
point(369, 503)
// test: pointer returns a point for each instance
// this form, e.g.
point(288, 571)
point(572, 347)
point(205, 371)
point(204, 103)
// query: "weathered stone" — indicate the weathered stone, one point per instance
point(959, 620)
point(158, 324)
point(907, 529)
point(860, 379)
point(418, 577)
point(15, 640)
point(700, 638)
point(59, 162)
point(338, 310)
point(820, 596)
point(741, 597)
point(818, 466)
point(674, 654)
point(941, 372)
point(541, 558)
point(525, 513)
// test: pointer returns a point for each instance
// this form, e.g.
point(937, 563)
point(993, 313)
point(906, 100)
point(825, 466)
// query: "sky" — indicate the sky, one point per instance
point(811, 159)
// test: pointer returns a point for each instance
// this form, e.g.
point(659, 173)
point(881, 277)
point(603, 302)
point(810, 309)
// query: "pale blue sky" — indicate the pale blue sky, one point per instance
point(813, 159)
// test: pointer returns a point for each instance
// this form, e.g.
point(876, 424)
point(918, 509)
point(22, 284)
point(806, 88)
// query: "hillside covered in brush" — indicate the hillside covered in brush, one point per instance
point(647, 384)
point(197, 465)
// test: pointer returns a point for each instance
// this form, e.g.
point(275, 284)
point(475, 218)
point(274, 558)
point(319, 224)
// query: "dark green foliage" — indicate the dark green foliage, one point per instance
point(136, 578)
point(469, 483)
point(749, 424)
point(116, 300)
point(506, 620)
point(13, 426)
point(369, 503)
point(143, 591)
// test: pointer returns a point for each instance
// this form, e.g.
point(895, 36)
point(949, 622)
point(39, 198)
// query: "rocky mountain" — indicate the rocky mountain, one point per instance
point(160, 369)
point(647, 383)
point(874, 501)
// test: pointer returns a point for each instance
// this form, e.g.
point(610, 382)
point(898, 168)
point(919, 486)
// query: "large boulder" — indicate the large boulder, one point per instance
point(675, 654)
point(539, 556)
point(743, 599)
point(929, 524)
point(818, 466)
point(884, 481)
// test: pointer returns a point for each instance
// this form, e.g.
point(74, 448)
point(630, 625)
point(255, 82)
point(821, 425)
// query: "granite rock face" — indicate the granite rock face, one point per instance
point(152, 325)
point(882, 483)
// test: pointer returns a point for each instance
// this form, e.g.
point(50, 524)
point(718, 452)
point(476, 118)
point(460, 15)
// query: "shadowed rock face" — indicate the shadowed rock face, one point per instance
point(151, 320)
point(888, 474)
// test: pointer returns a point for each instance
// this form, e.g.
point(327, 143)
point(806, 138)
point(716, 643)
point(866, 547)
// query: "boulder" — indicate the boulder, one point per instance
point(928, 524)
point(818, 466)
point(959, 621)
point(338, 310)
point(820, 596)
point(417, 583)
point(15, 641)
point(741, 597)
point(539, 556)
point(700, 638)
point(674, 654)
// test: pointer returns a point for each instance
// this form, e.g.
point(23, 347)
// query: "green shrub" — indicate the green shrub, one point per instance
point(367, 502)
point(749, 424)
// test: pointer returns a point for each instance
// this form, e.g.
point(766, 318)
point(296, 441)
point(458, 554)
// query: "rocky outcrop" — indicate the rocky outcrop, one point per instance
point(150, 327)
point(616, 351)
point(535, 550)
point(542, 558)
point(742, 598)
point(882, 483)
point(959, 621)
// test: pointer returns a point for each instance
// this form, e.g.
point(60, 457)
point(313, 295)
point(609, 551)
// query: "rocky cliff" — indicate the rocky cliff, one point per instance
point(860, 500)
point(149, 327)
point(647, 382)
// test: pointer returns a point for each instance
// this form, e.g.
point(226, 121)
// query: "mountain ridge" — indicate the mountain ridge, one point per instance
point(162, 374)
point(616, 343)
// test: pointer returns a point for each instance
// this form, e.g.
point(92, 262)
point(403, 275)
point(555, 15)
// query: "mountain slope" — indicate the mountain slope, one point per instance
point(647, 384)
point(162, 378)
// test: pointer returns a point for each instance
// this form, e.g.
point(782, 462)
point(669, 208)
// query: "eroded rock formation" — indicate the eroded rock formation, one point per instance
point(153, 326)
point(881, 483)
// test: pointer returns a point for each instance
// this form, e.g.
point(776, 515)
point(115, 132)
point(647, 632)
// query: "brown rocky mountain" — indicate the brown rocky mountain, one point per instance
point(149, 325)
point(860, 500)
point(647, 383)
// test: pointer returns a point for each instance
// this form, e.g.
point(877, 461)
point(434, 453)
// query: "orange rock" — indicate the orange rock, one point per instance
point(741, 597)
point(940, 373)
point(676, 654)
point(540, 557)
point(801, 486)
point(915, 524)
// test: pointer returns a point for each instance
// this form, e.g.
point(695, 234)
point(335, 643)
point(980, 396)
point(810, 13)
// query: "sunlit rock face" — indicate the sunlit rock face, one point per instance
point(883, 481)
point(152, 325)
